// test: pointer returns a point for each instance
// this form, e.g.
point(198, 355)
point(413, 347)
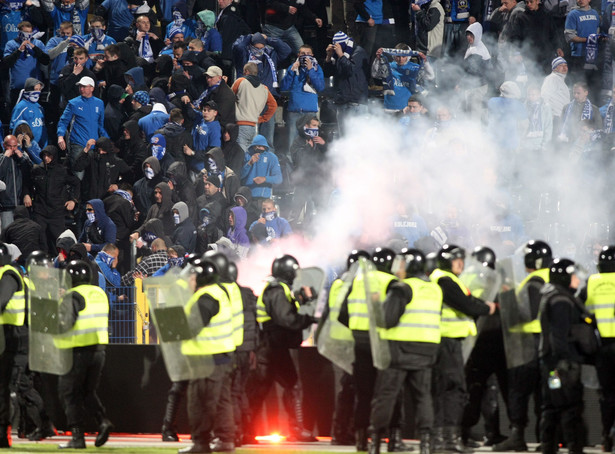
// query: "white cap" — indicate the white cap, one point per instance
point(86, 81)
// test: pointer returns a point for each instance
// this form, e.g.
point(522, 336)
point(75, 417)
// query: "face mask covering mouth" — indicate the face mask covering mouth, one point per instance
point(312, 132)
point(91, 216)
point(270, 216)
point(98, 34)
point(32, 96)
point(67, 7)
point(176, 218)
point(256, 51)
point(149, 173)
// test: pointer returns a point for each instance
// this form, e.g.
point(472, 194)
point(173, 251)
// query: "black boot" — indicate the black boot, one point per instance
point(294, 409)
point(361, 440)
point(492, 439)
point(169, 433)
point(396, 442)
point(374, 445)
point(5, 439)
point(103, 432)
point(515, 442)
point(77, 441)
point(437, 441)
point(425, 442)
point(45, 431)
point(453, 442)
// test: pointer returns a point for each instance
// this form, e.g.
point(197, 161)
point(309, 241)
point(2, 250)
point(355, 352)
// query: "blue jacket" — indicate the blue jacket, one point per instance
point(119, 18)
point(32, 113)
point(108, 279)
point(187, 27)
point(58, 16)
point(94, 47)
point(59, 62)
point(212, 41)
point(152, 122)
point(26, 65)
point(277, 50)
point(299, 99)
point(402, 80)
point(267, 166)
point(9, 20)
point(102, 223)
point(34, 150)
point(205, 136)
point(89, 115)
point(278, 228)
point(585, 23)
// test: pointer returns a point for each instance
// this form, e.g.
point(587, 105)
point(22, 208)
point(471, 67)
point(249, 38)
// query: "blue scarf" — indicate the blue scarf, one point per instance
point(145, 49)
point(534, 111)
point(205, 94)
point(255, 57)
point(608, 118)
point(586, 114)
point(105, 258)
point(591, 50)
point(126, 195)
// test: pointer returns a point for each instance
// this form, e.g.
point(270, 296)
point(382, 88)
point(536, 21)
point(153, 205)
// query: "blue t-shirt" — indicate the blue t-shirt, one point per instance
point(585, 23)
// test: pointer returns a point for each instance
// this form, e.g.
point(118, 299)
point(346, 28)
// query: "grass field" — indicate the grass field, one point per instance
point(37, 448)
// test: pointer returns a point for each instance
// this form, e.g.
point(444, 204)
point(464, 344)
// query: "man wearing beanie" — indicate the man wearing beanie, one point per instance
point(351, 67)
point(213, 195)
point(555, 92)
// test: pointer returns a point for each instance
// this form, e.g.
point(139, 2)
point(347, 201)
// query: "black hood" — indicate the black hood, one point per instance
point(217, 155)
point(233, 131)
point(254, 80)
point(154, 226)
point(245, 192)
point(164, 65)
point(114, 93)
point(21, 212)
point(132, 126)
point(178, 172)
point(52, 151)
point(171, 129)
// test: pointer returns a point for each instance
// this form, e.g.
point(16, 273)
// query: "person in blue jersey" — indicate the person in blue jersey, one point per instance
point(303, 80)
point(580, 31)
point(26, 142)
point(118, 16)
point(24, 56)
point(205, 135)
point(97, 40)
point(82, 122)
point(401, 76)
point(181, 20)
point(75, 12)
point(28, 109)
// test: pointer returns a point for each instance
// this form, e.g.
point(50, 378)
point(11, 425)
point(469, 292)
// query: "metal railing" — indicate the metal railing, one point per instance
point(129, 321)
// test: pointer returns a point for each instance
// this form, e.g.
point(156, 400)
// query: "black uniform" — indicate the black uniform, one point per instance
point(560, 355)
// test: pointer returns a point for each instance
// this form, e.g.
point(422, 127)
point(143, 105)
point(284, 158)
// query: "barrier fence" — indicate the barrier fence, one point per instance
point(129, 318)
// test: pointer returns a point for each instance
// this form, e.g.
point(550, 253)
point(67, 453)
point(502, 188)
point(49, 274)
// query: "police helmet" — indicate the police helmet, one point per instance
point(606, 260)
point(431, 262)
point(232, 271)
point(221, 262)
point(39, 258)
point(383, 258)
point(355, 255)
point(206, 271)
point(285, 268)
point(447, 254)
point(415, 262)
point(538, 255)
point(485, 255)
point(80, 272)
point(5, 255)
point(191, 258)
point(561, 272)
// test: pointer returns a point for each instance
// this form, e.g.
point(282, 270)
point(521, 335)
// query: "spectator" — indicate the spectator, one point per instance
point(181, 20)
point(26, 142)
point(375, 24)
point(97, 40)
point(205, 135)
point(507, 108)
point(582, 24)
point(24, 57)
point(107, 261)
point(161, 209)
point(63, 244)
point(144, 187)
point(103, 169)
point(350, 65)
point(207, 33)
point(538, 32)
point(110, 70)
point(115, 114)
point(149, 265)
point(146, 234)
point(189, 64)
point(281, 16)
point(231, 26)
point(218, 91)
point(237, 232)
point(118, 16)
point(213, 195)
point(579, 113)
point(176, 254)
point(554, 90)
point(72, 73)
point(477, 66)
point(262, 170)
point(28, 109)
point(540, 129)
point(84, 116)
point(120, 209)
point(243, 198)
point(14, 167)
point(428, 27)
point(208, 231)
point(233, 153)
point(185, 231)
point(267, 53)
point(51, 192)
point(216, 165)
point(174, 36)
point(132, 150)
point(182, 187)
point(71, 11)
point(252, 98)
point(23, 232)
point(140, 105)
point(99, 229)
point(158, 149)
point(147, 44)
point(135, 80)
point(153, 121)
point(303, 80)
point(276, 227)
point(176, 136)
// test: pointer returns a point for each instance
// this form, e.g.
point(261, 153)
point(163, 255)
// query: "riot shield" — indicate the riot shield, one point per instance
point(167, 297)
point(518, 345)
point(46, 291)
point(1, 338)
point(335, 341)
point(482, 281)
point(368, 276)
point(512, 269)
point(312, 277)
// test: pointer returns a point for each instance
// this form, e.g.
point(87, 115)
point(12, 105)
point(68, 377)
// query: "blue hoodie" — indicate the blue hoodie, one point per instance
point(119, 18)
point(9, 18)
point(26, 65)
point(299, 99)
point(103, 223)
point(267, 166)
point(59, 62)
point(34, 150)
point(138, 76)
point(31, 113)
point(89, 115)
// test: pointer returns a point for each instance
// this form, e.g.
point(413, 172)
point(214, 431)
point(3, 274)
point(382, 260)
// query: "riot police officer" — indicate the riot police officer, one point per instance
point(277, 312)
point(211, 305)
point(84, 320)
point(524, 380)
point(448, 385)
point(12, 317)
point(412, 328)
point(599, 296)
point(561, 359)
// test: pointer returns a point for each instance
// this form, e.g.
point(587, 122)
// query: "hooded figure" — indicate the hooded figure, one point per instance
point(183, 188)
point(207, 231)
point(23, 232)
point(207, 33)
point(22, 128)
point(149, 231)
point(29, 110)
point(176, 136)
point(185, 231)
point(99, 229)
point(243, 197)
point(114, 112)
point(161, 209)
point(63, 244)
point(233, 153)
point(153, 121)
point(164, 70)
point(477, 59)
point(135, 77)
point(143, 189)
point(132, 149)
point(266, 166)
point(237, 233)
point(158, 149)
point(216, 165)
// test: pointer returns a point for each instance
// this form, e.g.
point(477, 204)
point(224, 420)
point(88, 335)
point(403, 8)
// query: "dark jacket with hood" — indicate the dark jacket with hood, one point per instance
point(238, 233)
point(230, 180)
point(99, 232)
point(208, 232)
point(23, 232)
point(149, 231)
point(183, 188)
point(51, 186)
point(233, 153)
point(67, 82)
point(163, 210)
point(231, 26)
point(176, 136)
point(138, 77)
point(225, 98)
point(115, 115)
point(122, 213)
point(113, 74)
point(185, 231)
point(252, 211)
point(351, 76)
point(309, 161)
point(133, 151)
point(164, 70)
point(13, 171)
point(102, 169)
point(143, 189)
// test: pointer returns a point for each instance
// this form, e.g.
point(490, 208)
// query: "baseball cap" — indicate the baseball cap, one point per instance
point(213, 71)
point(86, 81)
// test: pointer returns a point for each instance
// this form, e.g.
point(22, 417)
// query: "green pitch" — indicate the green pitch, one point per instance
point(34, 448)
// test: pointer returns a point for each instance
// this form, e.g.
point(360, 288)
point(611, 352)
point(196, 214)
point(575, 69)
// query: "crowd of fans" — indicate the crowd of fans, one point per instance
point(161, 122)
